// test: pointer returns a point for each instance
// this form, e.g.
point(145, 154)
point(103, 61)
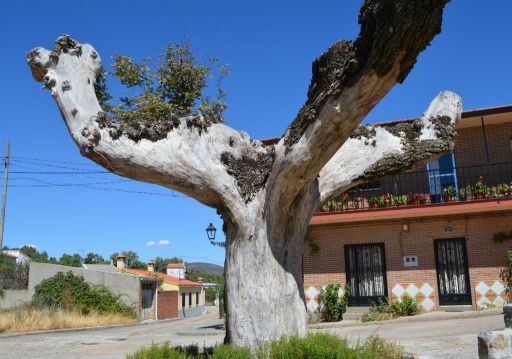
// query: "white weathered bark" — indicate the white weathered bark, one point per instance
point(376, 144)
point(267, 196)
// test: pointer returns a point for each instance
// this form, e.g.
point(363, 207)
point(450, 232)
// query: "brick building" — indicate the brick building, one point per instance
point(428, 233)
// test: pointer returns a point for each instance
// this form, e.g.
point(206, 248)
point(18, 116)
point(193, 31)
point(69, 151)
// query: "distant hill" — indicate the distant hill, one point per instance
point(208, 268)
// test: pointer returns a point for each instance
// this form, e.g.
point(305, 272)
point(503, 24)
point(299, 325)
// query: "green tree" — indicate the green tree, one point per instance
point(35, 255)
point(177, 85)
point(161, 263)
point(94, 258)
point(131, 260)
point(71, 260)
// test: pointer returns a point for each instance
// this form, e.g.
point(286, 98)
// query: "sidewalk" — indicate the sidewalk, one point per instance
point(431, 316)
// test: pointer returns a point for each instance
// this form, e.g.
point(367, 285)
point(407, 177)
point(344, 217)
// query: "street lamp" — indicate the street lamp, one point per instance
point(210, 232)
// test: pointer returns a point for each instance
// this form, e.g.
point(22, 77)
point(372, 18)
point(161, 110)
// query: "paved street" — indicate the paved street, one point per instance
point(453, 338)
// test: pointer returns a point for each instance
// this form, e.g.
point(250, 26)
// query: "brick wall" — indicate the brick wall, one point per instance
point(470, 145)
point(167, 304)
point(485, 257)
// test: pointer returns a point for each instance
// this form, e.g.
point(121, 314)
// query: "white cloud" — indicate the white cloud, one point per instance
point(162, 243)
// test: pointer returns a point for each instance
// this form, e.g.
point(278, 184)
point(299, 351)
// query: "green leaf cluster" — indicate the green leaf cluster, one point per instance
point(176, 85)
point(68, 291)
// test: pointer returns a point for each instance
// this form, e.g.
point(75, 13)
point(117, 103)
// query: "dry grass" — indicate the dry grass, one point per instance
point(28, 318)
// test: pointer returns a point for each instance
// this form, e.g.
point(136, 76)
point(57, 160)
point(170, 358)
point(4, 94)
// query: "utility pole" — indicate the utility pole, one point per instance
point(4, 194)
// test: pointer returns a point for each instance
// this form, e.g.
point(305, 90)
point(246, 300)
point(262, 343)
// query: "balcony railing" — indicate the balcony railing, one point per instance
point(432, 186)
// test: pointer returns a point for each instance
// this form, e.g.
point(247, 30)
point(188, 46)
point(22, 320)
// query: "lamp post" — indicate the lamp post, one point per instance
point(210, 232)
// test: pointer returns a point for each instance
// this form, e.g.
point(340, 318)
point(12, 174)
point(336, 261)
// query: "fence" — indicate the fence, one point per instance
point(435, 185)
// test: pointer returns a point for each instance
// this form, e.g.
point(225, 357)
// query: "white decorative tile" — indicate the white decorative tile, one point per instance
point(426, 289)
point(497, 287)
point(312, 292)
point(428, 304)
point(482, 288)
point(499, 301)
point(412, 290)
point(398, 291)
point(483, 303)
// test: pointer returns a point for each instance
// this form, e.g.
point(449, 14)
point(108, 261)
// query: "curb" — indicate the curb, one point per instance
point(427, 317)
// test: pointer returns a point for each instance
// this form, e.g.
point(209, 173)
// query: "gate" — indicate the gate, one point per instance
point(366, 273)
point(452, 271)
point(147, 301)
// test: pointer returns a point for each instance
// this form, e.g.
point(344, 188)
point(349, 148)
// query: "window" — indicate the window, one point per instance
point(183, 300)
point(197, 299)
point(189, 299)
point(442, 174)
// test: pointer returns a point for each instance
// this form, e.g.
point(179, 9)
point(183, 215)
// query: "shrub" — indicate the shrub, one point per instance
point(383, 310)
point(316, 346)
point(405, 307)
point(71, 292)
point(331, 306)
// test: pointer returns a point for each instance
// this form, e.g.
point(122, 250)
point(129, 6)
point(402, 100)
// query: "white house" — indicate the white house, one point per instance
point(20, 257)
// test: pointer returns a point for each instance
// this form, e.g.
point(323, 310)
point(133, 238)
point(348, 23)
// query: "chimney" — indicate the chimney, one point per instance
point(151, 266)
point(120, 261)
point(200, 280)
point(176, 270)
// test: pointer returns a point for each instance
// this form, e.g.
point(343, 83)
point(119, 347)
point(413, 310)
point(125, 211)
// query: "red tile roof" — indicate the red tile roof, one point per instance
point(166, 278)
point(176, 265)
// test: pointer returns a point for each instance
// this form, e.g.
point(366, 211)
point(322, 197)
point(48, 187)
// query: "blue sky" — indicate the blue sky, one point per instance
point(269, 46)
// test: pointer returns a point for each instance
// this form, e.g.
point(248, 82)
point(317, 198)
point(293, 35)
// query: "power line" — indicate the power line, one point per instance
point(58, 172)
point(54, 161)
point(49, 165)
point(51, 184)
point(89, 186)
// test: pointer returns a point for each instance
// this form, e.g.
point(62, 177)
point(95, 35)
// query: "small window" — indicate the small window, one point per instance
point(197, 299)
point(183, 300)
point(189, 299)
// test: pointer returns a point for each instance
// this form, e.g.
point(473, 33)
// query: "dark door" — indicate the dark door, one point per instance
point(147, 301)
point(366, 273)
point(452, 271)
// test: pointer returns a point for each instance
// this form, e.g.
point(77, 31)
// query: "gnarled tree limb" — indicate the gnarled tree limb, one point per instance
point(186, 154)
point(375, 151)
point(349, 79)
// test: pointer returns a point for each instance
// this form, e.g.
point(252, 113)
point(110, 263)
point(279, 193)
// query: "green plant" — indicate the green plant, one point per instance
point(316, 346)
point(71, 292)
point(313, 247)
point(507, 276)
point(501, 237)
point(331, 305)
point(384, 310)
point(405, 307)
point(451, 191)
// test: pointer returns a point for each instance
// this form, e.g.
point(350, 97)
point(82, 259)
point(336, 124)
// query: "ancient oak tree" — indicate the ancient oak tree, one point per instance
point(268, 194)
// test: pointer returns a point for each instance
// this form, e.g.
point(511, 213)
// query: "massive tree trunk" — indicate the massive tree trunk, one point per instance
point(267, 194)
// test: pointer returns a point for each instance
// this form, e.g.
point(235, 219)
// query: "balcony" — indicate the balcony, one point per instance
point(432, 187)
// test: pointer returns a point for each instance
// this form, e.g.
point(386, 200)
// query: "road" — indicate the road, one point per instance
point(439, 339)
